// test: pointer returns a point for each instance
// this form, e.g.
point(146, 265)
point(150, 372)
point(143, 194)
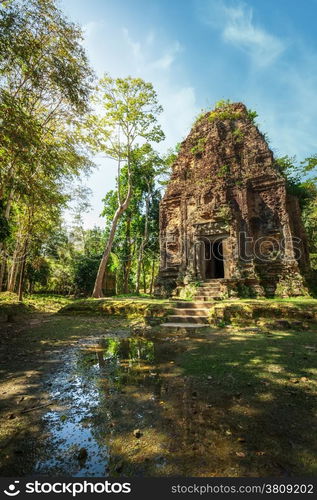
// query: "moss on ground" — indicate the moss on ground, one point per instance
point(43, 303)
point(263, 387)
point(250, 311)
point(154, 311)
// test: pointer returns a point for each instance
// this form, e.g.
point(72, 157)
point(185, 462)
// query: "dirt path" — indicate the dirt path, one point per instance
point(31, 350)
point(93, 396)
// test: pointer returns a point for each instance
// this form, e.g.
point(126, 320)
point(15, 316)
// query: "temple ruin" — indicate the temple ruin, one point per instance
point(226, 216)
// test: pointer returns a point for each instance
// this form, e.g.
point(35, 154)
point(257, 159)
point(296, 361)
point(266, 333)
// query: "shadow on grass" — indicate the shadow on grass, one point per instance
point(224, 403)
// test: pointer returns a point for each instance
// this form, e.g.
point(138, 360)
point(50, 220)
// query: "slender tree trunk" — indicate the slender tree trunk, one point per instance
point(144, 276)
point(142, 246)
point(22, 271)
point(138, 271)
point(97, 292)
point(3, 265)
point(14, 269)
point(152, 277)
point(127, 266)
point(3, 259)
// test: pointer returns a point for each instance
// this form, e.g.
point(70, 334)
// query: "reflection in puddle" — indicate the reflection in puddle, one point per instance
point(197, 404)
point(83, 390)
point(124, 408)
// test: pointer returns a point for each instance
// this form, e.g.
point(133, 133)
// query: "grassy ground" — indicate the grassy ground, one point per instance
point(264, 385)
point(234, 400)
point(33, 303)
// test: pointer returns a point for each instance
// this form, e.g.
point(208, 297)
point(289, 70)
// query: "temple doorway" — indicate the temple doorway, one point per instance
point(214, 268)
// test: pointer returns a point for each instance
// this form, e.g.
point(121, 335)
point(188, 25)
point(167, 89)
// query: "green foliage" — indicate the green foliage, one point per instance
point(84, 273)
point(45, 82)
point(225, 111)
point(129, 115)
point(200, 115)
point(238, 134)
point(252, 115)
point(224, 212)
point(223, 104)
point(304, 190)
point(225, 114)
point(4, 225)
point(223, 170)
point(244, 291)
point(309, 164)
point(37, 272)
point(199, 147)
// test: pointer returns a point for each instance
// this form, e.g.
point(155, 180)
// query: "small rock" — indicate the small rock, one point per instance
point(282, 324)
point(119, 467)
point(137, 433)
point(82, 454)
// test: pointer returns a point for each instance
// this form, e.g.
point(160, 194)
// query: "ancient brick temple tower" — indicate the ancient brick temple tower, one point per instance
point(226, 214)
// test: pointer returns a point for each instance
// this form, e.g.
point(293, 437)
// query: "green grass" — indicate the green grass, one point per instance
point(275, 300)
point(255, 356)
point(264, 387)
point(34, 302)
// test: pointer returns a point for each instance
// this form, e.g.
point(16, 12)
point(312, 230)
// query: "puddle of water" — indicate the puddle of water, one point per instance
point(124, 407)
point(70, 427)
point(82, 389)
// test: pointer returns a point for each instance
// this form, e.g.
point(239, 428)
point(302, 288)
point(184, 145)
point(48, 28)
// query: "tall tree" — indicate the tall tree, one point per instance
point(45, 82)
point(129, 115)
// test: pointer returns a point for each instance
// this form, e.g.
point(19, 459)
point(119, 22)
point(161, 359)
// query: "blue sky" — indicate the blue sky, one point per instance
point(195, 52)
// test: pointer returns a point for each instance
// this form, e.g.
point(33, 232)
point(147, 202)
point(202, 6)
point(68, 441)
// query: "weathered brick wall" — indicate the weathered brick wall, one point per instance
point(225, 185)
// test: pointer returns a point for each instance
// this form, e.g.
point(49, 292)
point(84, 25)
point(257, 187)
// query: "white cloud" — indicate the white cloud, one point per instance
point(135, 47)
point(166, 60)
point(238, 27)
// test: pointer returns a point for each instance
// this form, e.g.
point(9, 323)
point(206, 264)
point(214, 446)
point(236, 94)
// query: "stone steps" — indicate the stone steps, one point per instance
point(210, 285)
point(188, 326)
point(194, 314)
point(182, 311)
point(173, 318)
point(207, 298)
point(193, 305)
point(209, 290)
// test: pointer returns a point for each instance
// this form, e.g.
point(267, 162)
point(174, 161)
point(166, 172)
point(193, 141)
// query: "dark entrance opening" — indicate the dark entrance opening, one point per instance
point(214, 260)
